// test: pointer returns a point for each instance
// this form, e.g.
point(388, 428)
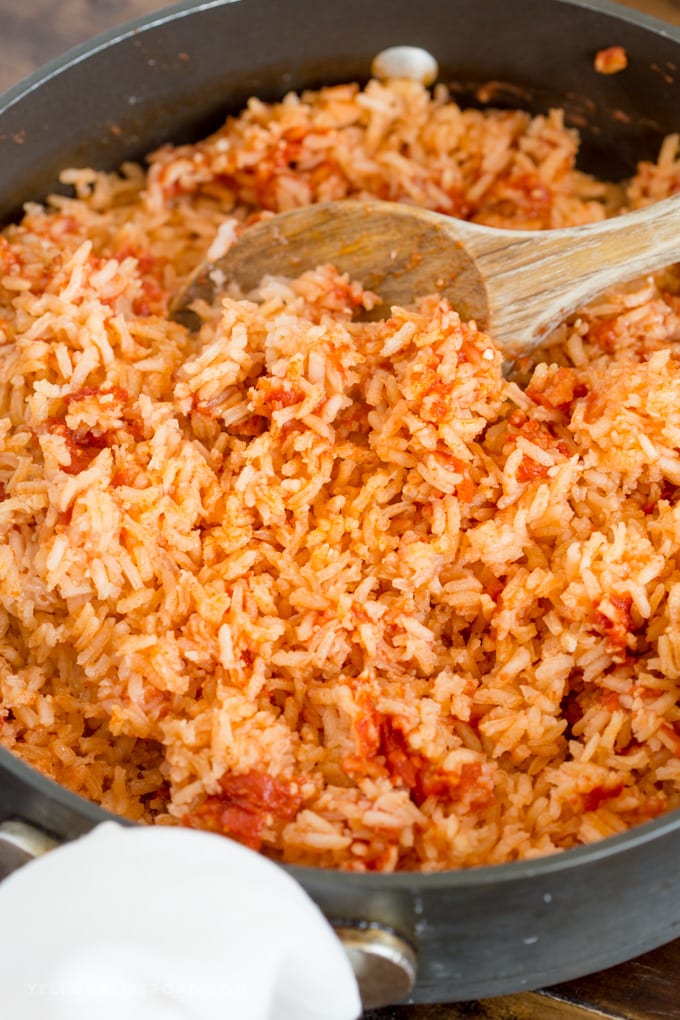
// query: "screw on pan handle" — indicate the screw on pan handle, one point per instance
point(384, 963)
point(21, 843)
point(405, 62)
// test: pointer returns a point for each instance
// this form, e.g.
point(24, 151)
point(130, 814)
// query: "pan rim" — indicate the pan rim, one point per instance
point(186, 8)
point(488, 874)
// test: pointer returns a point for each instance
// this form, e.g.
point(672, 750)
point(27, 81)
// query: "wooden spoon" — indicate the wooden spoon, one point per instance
point(516, 284)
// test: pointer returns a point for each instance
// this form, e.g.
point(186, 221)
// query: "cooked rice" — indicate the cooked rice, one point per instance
point(338, 589)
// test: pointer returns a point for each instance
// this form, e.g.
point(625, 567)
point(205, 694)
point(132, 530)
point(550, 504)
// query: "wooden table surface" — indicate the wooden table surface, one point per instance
point(34, 31)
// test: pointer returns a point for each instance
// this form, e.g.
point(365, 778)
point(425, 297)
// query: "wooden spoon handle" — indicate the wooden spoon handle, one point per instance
point(535, 278)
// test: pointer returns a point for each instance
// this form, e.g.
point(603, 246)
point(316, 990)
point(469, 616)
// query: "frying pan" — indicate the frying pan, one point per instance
point(174, 75)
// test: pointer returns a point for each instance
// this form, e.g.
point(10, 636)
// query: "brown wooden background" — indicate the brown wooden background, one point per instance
point(34, 31)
